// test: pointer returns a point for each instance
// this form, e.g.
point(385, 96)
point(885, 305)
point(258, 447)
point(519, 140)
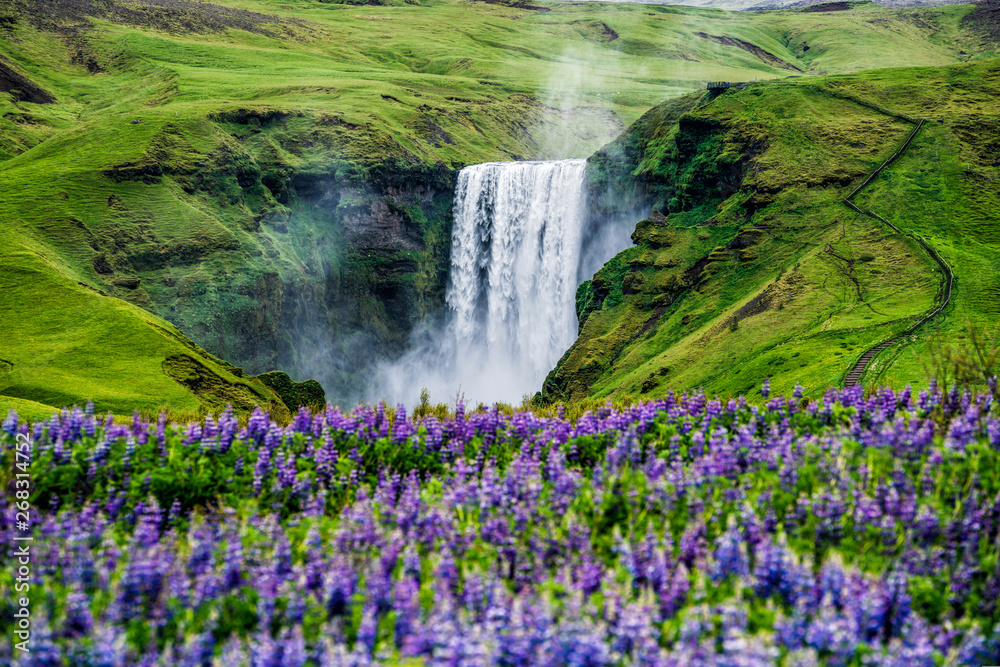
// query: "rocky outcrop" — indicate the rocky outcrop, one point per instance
point(217, 388)
point(624, 302)
point(295, 395)
point(270, 255)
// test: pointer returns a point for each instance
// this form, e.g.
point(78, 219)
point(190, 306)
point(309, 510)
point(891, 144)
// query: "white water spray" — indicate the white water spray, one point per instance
point(515, 257)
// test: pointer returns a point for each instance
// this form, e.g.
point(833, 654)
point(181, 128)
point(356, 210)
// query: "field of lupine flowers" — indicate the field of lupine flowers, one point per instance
point(855, 530)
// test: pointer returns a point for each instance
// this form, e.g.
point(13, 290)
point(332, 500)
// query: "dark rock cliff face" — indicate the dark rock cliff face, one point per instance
point(378, 263)
point(386, 265)
point(319, 270)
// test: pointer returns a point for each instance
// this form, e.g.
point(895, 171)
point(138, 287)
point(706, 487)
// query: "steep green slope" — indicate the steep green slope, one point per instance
point(945, 187)
point(756, 268)
point(275, 179)
point(64, 341)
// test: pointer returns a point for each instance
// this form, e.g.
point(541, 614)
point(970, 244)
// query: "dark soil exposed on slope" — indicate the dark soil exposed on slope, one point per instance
point(829, 7)
point(21, 87)
point(985, 18)
point(763, 55)
point(166, 15)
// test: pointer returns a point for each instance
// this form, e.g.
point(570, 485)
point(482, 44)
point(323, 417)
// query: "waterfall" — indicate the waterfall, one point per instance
point(516, 243)
point(515, 251)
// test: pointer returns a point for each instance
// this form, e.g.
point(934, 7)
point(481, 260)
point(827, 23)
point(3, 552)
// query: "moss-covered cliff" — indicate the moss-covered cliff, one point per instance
point(750, 266)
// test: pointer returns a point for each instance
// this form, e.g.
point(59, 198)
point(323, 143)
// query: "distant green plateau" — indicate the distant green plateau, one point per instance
point(270, 184)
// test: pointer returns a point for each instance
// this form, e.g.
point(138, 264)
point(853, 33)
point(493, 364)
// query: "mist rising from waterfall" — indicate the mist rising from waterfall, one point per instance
point(577, 122)
point(516, 247)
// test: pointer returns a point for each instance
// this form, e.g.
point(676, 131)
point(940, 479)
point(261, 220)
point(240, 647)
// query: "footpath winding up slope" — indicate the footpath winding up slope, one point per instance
point(853, 376)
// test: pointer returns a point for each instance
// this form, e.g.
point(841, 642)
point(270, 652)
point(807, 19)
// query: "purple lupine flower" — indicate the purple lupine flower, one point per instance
point(368, 630)
point(338, 589)
point(730, 558)
point(79, 621)
point(693, 547)
point(10, 423)
point(198, 651)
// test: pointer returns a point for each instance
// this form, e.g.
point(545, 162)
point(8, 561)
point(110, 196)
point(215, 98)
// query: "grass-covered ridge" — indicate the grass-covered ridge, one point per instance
point(286, 194)
point(852, 530)
point(755, 267)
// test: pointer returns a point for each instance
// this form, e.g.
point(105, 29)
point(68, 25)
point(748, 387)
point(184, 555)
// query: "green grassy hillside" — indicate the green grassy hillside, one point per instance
point(758, 269)
point(64, 341)
point(274, 179)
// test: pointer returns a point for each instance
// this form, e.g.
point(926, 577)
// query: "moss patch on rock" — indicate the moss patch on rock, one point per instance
point(295, 395)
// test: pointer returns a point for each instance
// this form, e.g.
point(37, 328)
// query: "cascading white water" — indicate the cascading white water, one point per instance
point(515, 257)
point(515, 251)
